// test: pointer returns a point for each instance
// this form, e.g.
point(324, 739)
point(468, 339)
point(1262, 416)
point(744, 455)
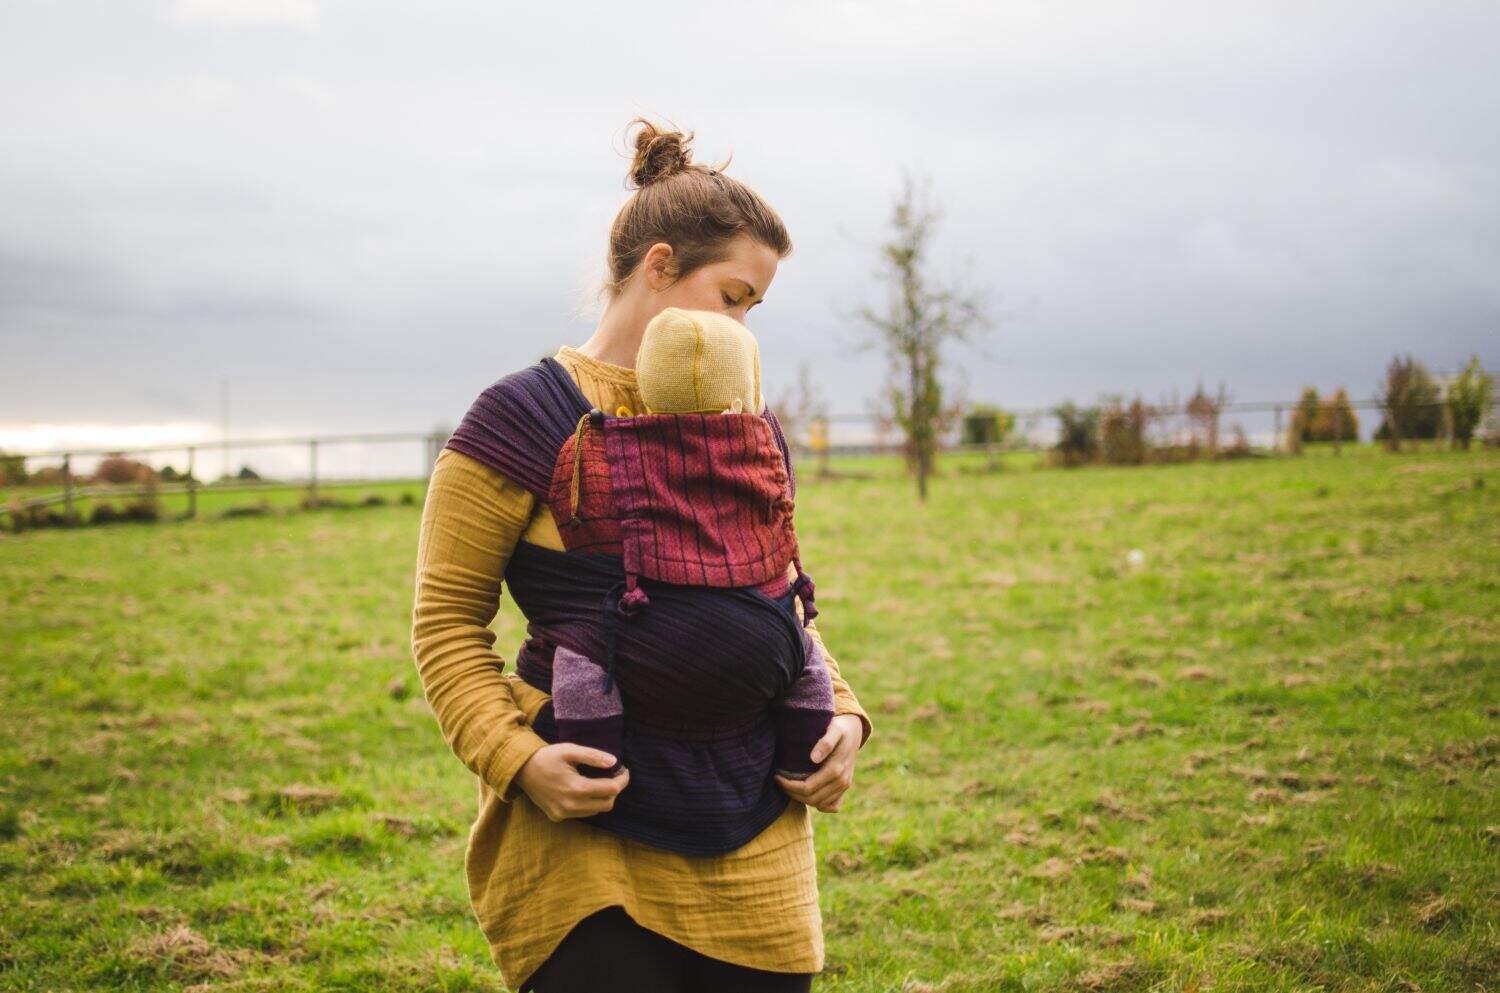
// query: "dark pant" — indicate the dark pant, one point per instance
point(608, 950)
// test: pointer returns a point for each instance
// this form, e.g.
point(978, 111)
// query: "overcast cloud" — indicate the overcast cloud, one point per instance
point(363, 213)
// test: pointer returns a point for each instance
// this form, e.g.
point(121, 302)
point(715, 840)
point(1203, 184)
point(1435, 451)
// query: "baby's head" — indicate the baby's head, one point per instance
point(698, 361)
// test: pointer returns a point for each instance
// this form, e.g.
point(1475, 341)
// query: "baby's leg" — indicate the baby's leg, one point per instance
point(802, 715)
point(585, 714)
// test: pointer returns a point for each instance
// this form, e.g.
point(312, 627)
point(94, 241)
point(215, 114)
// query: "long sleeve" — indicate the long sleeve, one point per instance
point(471, 521)
point(844, 700)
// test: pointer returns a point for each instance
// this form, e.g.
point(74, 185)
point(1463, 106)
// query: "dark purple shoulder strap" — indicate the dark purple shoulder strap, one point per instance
point(786, 451)
point(519, 423)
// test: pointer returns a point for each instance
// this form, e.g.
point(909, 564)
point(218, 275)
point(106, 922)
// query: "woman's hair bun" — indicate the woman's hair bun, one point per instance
point(658, 153)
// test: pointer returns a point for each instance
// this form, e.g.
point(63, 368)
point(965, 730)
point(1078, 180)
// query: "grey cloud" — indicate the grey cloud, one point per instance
point(358, 210)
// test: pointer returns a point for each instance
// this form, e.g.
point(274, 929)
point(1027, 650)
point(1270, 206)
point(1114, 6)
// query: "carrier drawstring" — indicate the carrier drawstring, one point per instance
point(615, 611)
point(634, 597)
point(803, 587)
point(611, 628)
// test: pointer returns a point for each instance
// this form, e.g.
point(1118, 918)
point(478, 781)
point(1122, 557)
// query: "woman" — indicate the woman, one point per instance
point(567, 906)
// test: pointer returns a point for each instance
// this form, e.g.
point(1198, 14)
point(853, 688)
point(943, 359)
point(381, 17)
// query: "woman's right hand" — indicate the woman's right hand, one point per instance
point(550, 778)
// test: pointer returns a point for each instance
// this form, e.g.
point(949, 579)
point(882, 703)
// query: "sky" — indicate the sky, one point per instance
point(360, 214)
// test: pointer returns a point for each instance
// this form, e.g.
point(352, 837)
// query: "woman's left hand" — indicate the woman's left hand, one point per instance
point(825, 788)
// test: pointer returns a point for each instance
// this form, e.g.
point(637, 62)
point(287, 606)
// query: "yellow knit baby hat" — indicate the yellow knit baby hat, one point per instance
point(698, 361)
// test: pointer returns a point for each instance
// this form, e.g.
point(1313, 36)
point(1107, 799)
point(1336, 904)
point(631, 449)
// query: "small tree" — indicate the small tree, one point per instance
point(1306, 415)
point(803, 413)
point(987, 425)
point(919, 318)
point(12, 470)
point(1203, 413)
point(1336, 421)
point(1078, 433)
point(1124, 431)
point(1469, 399)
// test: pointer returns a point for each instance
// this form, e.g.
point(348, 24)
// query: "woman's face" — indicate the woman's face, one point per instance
point(734, 286)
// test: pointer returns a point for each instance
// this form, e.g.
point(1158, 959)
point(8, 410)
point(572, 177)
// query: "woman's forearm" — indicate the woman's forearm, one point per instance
point(844, 700)
point(471, 521)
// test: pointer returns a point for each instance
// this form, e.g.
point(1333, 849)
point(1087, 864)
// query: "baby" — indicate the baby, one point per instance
point(694, 491)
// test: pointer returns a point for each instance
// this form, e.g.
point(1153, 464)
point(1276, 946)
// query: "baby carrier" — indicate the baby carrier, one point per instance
point(678, 534)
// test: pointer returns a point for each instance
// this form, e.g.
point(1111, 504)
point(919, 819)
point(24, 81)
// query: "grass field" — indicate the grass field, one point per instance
point(1214, 726)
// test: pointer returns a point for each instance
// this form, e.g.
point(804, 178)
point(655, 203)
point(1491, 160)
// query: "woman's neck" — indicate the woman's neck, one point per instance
point(617, 339)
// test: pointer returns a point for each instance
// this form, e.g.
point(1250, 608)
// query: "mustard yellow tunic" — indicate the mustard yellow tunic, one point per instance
point(530, 878)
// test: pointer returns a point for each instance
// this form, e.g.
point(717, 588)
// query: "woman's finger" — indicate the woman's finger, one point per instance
point(826, 744)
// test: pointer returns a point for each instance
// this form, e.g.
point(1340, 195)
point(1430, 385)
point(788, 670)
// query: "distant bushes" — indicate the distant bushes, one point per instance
point(1117, 431)
point(1417, 408)
point(1414, 405)
point(146, 506)
point(985, 424)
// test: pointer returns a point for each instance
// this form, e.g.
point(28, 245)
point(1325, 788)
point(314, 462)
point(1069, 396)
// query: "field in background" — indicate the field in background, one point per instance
point(1227, 726)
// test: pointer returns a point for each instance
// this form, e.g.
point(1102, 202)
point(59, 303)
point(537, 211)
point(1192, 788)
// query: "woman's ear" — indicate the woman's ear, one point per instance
point(656, 266)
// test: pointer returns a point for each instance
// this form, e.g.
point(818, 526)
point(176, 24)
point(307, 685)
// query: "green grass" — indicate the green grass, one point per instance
point(1260, 754)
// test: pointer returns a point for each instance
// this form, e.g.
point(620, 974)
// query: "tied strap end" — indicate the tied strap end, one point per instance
point(634, 599)
point(804, 588)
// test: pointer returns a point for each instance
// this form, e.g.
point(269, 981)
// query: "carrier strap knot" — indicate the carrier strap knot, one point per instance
point(612, 621)
point(634, 598)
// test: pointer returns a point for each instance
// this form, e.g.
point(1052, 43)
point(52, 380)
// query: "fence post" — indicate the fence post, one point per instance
point(1276, 444)
point(192, 482)
point(312, 473)
point(67, 468)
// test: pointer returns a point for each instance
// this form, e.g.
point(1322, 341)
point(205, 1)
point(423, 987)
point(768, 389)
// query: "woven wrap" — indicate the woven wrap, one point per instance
point(700, 668)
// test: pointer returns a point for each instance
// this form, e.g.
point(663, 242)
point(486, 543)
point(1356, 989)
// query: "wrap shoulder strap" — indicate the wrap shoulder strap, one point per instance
point(518, 424)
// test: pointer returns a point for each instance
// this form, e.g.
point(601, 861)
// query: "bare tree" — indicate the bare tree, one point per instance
point(803, 413)
point(919, 318)
point(1203, 412)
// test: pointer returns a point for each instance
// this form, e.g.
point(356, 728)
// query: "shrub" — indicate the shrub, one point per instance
point(147, 505)
point(1239, 448)
point(48, 517)
point(985, 424)
point(1411, 403)
point(1124, 431)
point(1203, 412)
point(249, 509)
point(309, 502)
point(12, 470)
point(1078, 433)
point(1306, 415)
point(104, 513)
point(116, 468)
point(1335, 420)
